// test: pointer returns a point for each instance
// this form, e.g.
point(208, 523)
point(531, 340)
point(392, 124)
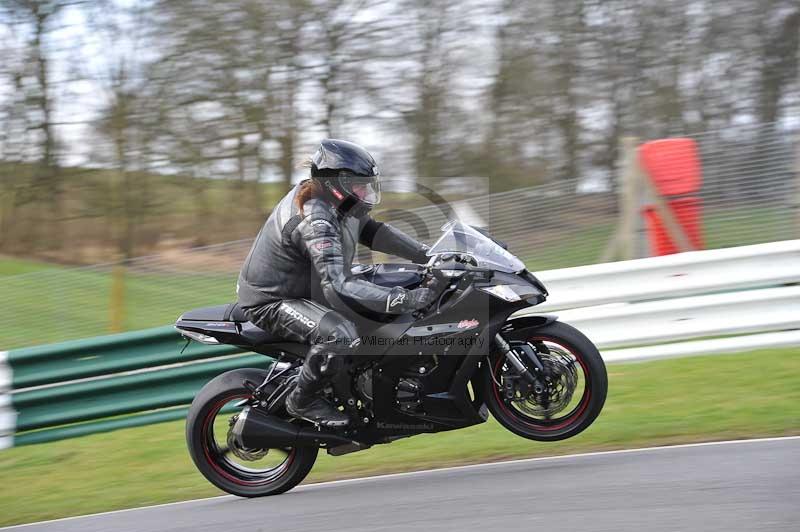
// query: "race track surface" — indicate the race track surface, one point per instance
point(735, 486)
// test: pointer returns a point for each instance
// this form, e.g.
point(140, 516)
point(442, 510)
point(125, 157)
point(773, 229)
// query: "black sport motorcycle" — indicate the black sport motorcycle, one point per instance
point(443, 368)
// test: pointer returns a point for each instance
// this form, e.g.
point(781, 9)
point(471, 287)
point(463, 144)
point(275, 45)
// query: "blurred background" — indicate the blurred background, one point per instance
point(144, 142)
point(168, 130)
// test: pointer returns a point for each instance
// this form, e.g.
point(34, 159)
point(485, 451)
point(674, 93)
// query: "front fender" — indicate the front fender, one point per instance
point(521, 327)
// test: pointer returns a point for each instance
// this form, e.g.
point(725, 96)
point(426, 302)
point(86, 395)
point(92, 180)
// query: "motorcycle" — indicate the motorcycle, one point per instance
point(446, 367)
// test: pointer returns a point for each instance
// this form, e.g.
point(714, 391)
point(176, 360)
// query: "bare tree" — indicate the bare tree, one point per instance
point(121, 29)
point(35, 20)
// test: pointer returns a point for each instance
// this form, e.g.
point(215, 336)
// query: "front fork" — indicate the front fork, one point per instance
point(512, 354)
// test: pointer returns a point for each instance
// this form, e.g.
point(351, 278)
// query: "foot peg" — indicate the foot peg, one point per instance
point(318, 411)
point(332, 423)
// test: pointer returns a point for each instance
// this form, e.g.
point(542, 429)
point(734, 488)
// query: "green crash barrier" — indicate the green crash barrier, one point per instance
point(115, 396)
point(94, 427)
point(78, 359)
point(102, 384)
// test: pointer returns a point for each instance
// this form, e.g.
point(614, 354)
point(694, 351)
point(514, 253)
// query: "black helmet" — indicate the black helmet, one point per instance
point(348, 175)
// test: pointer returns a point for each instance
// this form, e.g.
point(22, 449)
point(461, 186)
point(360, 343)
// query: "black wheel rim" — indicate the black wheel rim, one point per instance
point(580, 397)
point(273, 465)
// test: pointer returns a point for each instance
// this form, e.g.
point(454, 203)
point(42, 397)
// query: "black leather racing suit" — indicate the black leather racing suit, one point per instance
point(298, 275)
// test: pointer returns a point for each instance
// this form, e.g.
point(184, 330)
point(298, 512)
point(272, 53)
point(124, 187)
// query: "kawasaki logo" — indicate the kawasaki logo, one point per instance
point(404, 426)
point(308, 322)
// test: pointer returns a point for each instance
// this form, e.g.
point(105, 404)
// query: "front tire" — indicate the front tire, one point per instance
point(277, 471)
point(575, 361)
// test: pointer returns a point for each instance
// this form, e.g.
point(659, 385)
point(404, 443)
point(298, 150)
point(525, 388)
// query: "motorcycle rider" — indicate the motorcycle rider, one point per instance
point(296, 282)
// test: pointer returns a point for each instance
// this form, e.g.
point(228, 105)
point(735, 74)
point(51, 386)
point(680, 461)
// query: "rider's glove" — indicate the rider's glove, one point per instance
point(421, 298)
point(401, 300)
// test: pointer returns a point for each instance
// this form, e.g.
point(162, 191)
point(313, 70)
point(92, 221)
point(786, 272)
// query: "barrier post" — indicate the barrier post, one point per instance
point(797, 184)
point(117, 300)
point(624, 241)
point(631, 191)
point(8, 415)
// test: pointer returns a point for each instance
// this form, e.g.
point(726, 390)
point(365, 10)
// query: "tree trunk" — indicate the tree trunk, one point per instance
point(47, 184)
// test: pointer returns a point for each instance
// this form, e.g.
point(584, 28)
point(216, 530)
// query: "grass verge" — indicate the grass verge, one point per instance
point(12, 266)
point(695, 399)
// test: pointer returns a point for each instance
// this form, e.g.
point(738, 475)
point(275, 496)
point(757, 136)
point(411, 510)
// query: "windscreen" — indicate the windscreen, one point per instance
point(458, 237)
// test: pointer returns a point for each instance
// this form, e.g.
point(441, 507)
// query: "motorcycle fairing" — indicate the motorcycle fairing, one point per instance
point(446, 402)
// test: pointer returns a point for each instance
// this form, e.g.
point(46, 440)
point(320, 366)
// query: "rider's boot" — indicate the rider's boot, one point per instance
point(306, 400)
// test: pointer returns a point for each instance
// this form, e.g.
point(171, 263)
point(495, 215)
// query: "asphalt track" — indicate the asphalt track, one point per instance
point(729, 486)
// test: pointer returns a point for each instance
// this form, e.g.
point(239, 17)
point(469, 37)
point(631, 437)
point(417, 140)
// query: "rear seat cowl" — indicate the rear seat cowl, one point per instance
point(229, 312)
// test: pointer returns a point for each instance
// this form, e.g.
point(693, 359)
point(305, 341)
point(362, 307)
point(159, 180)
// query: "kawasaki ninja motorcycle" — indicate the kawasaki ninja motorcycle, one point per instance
point(478, 349)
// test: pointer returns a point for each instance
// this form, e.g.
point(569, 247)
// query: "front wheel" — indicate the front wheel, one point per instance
point(242, 472)
point(573, 387)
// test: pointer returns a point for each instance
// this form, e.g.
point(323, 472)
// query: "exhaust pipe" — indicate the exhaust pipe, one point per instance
point(255, 429)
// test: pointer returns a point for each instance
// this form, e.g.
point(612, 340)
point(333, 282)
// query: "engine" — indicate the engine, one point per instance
point(409, 394)
point(364, 386)
point(409, 388)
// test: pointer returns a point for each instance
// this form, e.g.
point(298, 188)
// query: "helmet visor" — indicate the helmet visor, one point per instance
point(366, 189)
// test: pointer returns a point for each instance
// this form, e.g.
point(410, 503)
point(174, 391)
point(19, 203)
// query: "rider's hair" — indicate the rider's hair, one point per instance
point(309, 189)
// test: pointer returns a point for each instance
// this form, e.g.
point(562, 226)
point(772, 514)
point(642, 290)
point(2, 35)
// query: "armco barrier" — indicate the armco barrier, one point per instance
point(737, 313)
point(104, 355)
point(100, 384)
point(749, 293)
point(629, 309)
point(671, 276)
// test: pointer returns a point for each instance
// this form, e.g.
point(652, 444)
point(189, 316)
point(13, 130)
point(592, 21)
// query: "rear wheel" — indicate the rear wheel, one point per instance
point(573, 391)
point(242, 472)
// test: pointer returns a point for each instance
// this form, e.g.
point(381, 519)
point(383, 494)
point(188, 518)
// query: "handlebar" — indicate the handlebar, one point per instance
point(437, 281)
point(461, 258)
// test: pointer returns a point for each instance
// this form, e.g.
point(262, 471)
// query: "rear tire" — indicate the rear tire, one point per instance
point(584, 409)
point(213, 463)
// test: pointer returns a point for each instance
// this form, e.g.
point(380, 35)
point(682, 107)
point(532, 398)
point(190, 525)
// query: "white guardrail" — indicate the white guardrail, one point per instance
point(8, 416)
point(749, 294)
